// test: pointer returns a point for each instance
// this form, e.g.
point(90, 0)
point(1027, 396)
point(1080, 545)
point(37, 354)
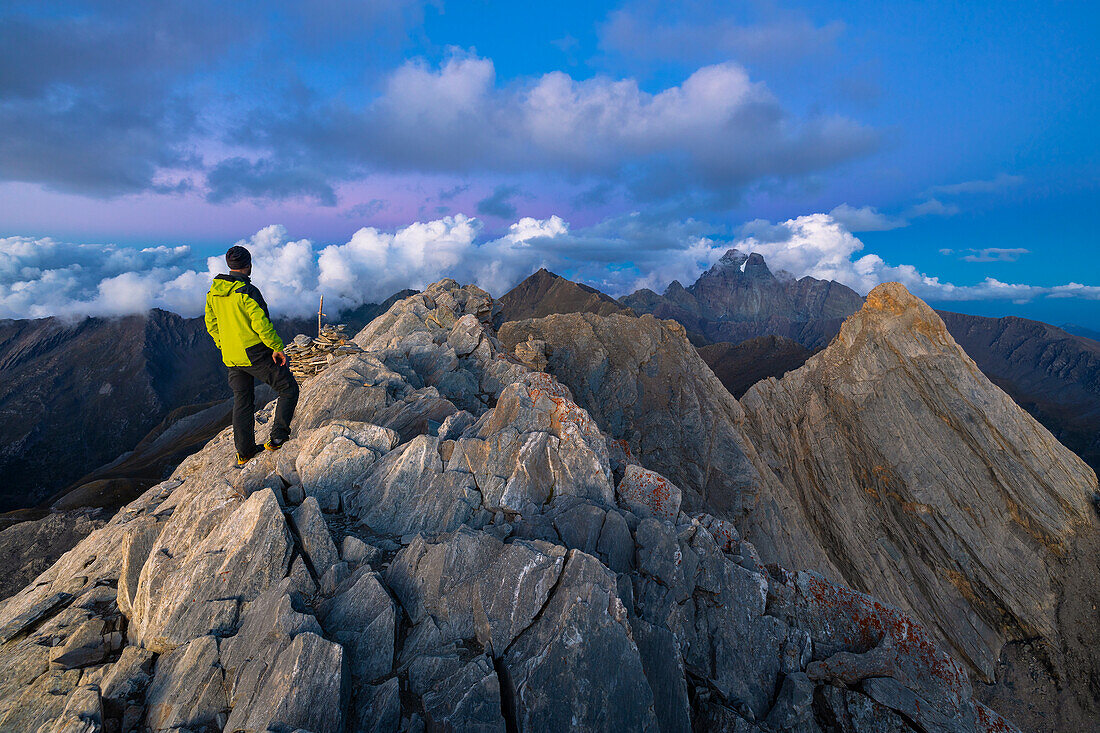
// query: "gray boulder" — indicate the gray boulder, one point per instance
point(475, 586)
point(317, 545)
point(559, 666)
point(355, 551)
point(467, 700)
point(534, 445)
point(333, 456)
point(126, 680)
point(302, 690)
point(188, 688)
point(362, 619)
point(409, 491)
point(204, 564)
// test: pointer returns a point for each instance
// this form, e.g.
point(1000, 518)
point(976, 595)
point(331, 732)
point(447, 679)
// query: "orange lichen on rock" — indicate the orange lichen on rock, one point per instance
point(652, 490)
point(566, 413)
point(539, 383)
point(866, 625)
point(890, 297)
point(723, 532)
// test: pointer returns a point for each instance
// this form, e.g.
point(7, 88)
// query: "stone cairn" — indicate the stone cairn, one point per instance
point(310, 356)
point(534, 353)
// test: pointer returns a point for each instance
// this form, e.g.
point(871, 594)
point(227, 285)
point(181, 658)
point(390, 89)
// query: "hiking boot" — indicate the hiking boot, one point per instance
point(241, 459)
point(275, 443)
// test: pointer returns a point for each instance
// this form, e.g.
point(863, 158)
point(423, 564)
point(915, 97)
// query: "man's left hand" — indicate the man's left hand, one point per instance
point(279, 358)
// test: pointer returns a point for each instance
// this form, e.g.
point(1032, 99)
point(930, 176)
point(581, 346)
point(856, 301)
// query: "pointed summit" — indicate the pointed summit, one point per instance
point(756, 268)
point(892, 312)
point(545, 292)
point(733, 259)
point(739, 297)
point(916, 471)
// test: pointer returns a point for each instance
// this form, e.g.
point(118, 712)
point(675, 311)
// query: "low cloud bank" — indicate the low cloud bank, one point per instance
point(44, 277)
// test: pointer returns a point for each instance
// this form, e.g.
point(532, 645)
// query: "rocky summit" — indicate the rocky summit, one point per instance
point(740, 298)
point(570, 524)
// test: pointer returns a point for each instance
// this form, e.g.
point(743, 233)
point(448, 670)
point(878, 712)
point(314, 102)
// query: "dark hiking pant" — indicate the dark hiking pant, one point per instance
point(242, 380)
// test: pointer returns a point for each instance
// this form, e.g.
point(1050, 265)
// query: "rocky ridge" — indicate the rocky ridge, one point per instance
point(647, 387)
point(450, 540)
point(922, 480)
point(1050, 372)
point(855, 476)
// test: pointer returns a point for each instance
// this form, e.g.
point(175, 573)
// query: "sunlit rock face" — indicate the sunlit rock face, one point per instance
point(453, 539)
point(928, 486)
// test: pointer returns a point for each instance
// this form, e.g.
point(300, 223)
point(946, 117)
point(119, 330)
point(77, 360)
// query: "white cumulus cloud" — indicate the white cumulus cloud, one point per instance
point(41, 277)
point(820, 246)
point(717, 130)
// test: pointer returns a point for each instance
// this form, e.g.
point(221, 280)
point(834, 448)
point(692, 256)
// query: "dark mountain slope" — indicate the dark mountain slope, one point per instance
point(1052, 374)
point(544, 293)
point(75, 396)
point(739, 366)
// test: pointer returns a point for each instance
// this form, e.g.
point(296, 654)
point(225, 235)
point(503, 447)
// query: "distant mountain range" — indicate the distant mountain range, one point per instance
point(742, 365)
point(1077, 330)
point(111, 404)
point(739, 298)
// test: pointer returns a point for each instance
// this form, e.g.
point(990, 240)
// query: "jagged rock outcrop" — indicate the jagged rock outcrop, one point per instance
point(1051, 373)
point(953, 598)
point(740, 298)
point(490, 578)
point(645, 385)
point(648, 388)
point(926, 485)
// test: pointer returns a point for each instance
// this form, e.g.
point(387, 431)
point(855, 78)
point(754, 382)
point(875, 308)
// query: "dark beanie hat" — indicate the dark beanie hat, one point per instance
point(238, 258)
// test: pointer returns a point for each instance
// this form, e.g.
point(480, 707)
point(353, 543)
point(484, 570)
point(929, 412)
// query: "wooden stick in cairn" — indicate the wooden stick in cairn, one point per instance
point(311, 356)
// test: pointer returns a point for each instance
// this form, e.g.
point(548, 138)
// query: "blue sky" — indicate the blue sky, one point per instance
point(949, 145)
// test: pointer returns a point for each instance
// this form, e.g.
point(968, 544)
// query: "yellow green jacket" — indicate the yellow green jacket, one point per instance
point(237, 318)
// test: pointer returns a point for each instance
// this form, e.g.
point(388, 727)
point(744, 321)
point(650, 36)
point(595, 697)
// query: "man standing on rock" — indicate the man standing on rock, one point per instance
point(238, 320)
